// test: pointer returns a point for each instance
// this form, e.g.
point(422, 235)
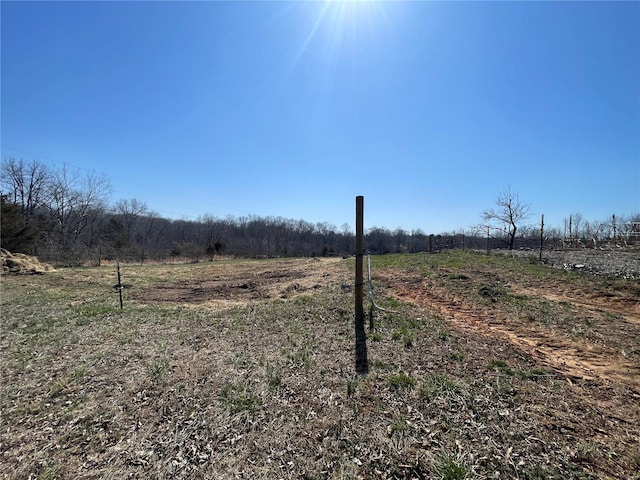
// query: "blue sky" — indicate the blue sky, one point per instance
point(291, 109)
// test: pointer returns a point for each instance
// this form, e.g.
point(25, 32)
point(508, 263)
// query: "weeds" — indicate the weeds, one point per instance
point(437, 384)
point(157, 367)
point(400, 427)
point(274, 378)
point(400, 382)
point(441, 335)
point(352, 385)
point(381, 365)
point(173, 388)
point(448, 468)
point(457, 356)
point(301, 358)
point(407, 341)
point(499, 366)
point(58, 388)
point(239, 397)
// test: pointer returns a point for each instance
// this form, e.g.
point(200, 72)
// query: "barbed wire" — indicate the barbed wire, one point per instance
point(369, 283)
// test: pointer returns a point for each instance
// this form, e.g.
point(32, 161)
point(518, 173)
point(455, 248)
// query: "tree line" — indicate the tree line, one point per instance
point(65, 217)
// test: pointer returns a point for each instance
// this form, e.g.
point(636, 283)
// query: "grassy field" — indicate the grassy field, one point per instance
point(481, 367)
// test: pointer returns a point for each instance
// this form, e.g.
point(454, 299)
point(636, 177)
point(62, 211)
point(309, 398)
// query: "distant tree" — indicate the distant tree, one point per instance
point(150, 233)
point(379, 240)
point(113, 233)
point(212, 229)
point(508, 215)
point(24, 187)
point(130, 211)
point(419, 241)
point(400, 240)
point(25, 184)
point(75, 202)
point(16, 235)
point(211, 251)
point(624, 227)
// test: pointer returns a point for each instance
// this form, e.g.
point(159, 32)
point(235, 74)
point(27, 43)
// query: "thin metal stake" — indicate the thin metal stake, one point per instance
point(119, 286)
point(541, 236)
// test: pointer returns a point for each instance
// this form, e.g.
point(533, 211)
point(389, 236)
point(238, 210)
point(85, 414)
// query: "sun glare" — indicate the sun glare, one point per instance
point(339, 26)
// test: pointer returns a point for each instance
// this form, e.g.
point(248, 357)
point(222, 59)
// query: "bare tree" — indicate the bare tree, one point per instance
point(151, 231)
point(130, 211)
point(25, 183)
point(508, 215)
point(75, 202)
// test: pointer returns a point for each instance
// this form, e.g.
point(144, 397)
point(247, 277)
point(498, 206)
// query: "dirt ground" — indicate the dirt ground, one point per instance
point(573, 356)
point(240, 283)
point(521, 370)
point(592, 341)
point(602, 353)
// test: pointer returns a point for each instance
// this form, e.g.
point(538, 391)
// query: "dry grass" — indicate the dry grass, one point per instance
point(237, 373)
point(21, 264)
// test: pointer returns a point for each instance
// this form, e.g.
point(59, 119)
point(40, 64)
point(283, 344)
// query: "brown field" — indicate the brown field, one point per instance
point(480, 367)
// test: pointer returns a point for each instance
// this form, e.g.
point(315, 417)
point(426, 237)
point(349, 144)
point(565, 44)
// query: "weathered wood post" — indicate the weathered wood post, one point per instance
point(570, 230)
point(362, 364)
point(541, 236)
point(488, 237)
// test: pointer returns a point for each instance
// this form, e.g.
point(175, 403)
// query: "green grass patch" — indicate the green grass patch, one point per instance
point(448, 468)
point(274, 378)
point(500, 366)
point(437, 384)
point(400, 382)
point(457, 356)
point(239, 397)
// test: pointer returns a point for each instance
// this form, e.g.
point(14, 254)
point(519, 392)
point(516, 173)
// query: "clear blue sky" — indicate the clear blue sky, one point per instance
point(291, 109)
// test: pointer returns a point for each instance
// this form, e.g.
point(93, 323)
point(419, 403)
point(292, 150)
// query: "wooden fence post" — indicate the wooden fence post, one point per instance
point(541, 236)
point(362, 364)
point(488, 236)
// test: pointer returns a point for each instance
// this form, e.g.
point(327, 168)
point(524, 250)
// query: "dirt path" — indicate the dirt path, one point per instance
point(599, 354)
point(625, 303)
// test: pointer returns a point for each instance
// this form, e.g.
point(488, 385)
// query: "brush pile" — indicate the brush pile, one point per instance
point(21, 264)
point(617, 262)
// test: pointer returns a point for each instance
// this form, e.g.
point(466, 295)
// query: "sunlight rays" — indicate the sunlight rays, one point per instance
point(342, 27)
point(334, 40)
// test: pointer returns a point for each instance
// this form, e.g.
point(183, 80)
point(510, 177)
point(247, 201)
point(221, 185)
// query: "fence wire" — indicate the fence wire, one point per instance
point(369, 283)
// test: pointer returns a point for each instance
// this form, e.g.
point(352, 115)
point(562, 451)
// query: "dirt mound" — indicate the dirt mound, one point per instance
point(21, 264)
